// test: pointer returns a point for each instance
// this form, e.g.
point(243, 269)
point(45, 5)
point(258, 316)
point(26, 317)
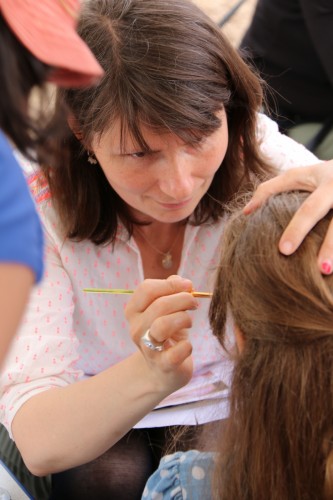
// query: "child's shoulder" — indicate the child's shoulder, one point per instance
point(180, 476)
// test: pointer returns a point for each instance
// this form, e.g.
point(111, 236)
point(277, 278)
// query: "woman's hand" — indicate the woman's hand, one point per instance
point(119, 396)
point(318, 179)
point(161, 306)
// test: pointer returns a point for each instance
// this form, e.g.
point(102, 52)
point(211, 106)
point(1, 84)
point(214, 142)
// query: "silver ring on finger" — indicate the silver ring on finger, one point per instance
point(149, 342)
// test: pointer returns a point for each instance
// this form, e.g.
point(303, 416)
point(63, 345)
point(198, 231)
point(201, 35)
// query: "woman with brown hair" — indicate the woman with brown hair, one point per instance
point(277, 441)
point(152, 156)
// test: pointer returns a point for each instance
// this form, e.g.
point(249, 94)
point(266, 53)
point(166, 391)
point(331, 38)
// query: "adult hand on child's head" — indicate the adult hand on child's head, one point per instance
point(161, 306)
point(317, 179)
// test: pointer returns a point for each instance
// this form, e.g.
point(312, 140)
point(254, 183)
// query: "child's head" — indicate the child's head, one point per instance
point(280, 437)
point(167, 67)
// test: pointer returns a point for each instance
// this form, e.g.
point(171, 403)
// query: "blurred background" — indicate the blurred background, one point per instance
point(237, 24)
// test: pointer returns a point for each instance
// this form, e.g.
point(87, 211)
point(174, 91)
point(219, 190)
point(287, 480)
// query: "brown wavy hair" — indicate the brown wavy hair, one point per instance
point(167, 66)
point(278, 441)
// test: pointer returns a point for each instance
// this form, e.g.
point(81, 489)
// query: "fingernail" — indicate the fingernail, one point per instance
point(326, 267)
point(286, 247)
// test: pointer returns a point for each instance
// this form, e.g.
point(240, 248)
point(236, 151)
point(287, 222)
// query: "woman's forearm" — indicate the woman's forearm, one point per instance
point(65, 427)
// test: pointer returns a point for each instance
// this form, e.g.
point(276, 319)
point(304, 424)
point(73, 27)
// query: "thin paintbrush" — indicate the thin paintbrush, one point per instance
point(117, 291)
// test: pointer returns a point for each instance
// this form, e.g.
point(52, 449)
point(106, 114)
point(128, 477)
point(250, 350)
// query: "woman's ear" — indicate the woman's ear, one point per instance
point(240, 340)
point(74, 126)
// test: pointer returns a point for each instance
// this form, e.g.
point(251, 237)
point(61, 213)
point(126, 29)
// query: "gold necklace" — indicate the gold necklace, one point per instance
point(167, 260)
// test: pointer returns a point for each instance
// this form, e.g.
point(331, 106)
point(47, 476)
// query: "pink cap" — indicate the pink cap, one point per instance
point(47, 28)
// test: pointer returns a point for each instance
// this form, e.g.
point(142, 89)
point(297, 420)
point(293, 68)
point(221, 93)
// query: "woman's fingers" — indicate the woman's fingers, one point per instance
point(163, 326)
point(177, 354)
point(158, 310)
point(312, 210)
point(161, 306)
point(317, 179)
point(174, 365)
point(171, 326)
point(295, 178)
point(150, 289)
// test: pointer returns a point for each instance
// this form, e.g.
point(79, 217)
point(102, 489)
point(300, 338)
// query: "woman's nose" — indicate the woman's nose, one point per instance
point(177, 179)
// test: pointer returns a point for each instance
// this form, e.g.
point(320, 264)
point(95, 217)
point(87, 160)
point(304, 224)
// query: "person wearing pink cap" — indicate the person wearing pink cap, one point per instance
point(38, 42)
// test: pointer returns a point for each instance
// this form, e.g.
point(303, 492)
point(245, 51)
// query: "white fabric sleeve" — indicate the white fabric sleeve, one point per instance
point(281, 150)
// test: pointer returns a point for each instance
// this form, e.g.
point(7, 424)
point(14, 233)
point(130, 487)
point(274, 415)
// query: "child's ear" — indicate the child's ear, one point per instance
point(74, 126)
point(240, 340)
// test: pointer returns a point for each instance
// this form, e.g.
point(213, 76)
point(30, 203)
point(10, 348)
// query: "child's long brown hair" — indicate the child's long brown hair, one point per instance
point(278, 444)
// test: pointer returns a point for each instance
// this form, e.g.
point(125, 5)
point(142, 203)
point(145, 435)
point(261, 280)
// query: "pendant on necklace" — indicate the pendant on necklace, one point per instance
point(167, 261)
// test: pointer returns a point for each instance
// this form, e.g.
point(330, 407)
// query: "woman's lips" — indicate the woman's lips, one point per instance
point(174, 206)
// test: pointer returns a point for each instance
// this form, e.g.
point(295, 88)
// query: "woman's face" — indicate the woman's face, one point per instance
point(166, 183)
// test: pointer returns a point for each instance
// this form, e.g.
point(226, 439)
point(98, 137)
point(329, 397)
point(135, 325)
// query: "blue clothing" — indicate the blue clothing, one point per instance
point(181, 476)
point(21, 236)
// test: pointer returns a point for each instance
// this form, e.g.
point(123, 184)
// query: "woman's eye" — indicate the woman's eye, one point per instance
point(139, 154)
